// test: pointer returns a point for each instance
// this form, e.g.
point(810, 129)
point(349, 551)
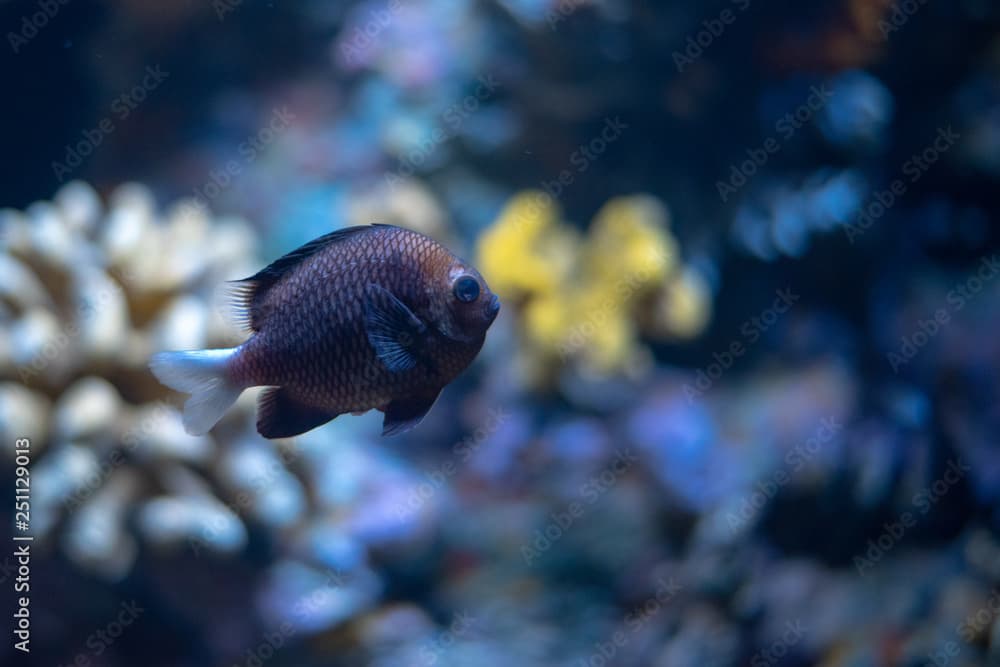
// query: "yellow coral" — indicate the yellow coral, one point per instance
point(611, 345)
point(630, 240)
point(583, 299)
point(683, 308)
point(514, 254)
point(547, 318)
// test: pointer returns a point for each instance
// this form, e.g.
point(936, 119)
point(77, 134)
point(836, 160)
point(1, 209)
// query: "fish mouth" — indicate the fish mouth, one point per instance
point(493, 307)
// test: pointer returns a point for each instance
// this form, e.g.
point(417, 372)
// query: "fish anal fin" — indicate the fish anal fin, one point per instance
point(402, 414)
point(281, 416)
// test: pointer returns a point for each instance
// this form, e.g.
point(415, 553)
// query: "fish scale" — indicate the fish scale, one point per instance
point(365, 317)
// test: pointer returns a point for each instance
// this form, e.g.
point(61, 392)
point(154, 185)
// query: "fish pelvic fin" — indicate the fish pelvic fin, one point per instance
point(282, 416)
point(202, 374)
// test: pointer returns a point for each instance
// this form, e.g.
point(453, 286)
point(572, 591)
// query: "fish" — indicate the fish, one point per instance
point(366, 317)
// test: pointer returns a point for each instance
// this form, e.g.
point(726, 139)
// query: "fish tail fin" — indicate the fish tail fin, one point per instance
point(203, 374)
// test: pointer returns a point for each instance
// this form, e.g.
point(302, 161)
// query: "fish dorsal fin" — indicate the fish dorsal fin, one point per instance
point(242, 296)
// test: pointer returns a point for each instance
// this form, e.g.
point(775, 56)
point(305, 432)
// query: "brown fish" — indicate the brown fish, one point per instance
point(364, 317)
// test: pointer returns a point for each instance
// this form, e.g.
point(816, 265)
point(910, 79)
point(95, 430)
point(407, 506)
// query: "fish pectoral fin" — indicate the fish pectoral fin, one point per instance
point(402, 414)
point(281, 416)
point(395, 333)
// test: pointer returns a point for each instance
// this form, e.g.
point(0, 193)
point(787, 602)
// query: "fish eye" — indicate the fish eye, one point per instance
point(466, 289)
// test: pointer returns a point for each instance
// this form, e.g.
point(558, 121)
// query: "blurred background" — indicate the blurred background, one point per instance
point(740, 406)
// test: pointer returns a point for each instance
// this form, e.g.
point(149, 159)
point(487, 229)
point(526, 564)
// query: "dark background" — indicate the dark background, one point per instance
point(686, 130)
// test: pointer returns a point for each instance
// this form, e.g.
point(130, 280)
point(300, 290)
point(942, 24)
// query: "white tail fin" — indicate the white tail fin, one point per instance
point(201, 373)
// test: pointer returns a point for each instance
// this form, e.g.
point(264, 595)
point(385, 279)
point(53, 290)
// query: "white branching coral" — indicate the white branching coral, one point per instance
point(86, 294)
